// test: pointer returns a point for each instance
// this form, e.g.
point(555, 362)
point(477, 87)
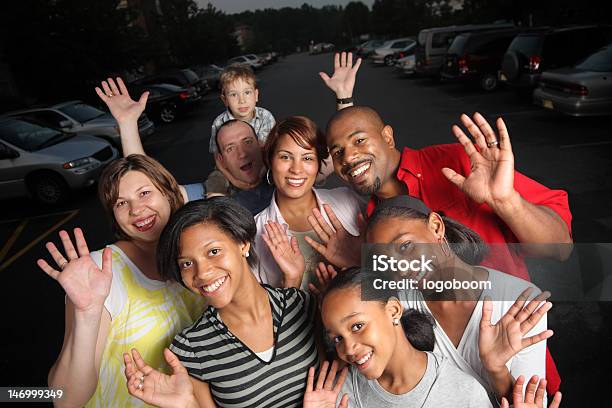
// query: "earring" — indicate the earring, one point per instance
point(396, 322)
point(268, 177)
point(247, 254)
point(446, 249)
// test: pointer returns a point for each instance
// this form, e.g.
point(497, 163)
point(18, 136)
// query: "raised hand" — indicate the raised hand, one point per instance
point(286, 253)
point(342, 81)
point(534, 394)
point(121, 105)
point(155, 388)
point(499, 342)
point(325, 393)
point(324, 275)
point(338, 246)
point(86, 285)
point(491, 179)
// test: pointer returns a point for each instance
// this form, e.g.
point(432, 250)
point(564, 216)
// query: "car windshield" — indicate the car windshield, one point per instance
point(81, 112)
point(29, 136)
point(458, 45)
point(599, 62)
point(191, 76)
point(527, 44)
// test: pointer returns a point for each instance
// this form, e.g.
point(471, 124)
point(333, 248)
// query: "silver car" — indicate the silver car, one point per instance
point(383, 54)
point(582, 90)
point(81, 118)
point(46, 163)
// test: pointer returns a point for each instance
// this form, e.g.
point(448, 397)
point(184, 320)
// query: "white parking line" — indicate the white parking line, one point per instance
point(578, 145)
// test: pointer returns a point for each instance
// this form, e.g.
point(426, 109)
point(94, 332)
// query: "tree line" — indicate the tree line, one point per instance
point(56, 49)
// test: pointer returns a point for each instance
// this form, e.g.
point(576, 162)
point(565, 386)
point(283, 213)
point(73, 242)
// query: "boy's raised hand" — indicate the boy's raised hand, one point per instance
point(121, 105)
point(342, 81)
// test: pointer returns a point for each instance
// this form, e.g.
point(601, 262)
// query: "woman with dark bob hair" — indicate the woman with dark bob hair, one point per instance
point(253, 344)
point(116, 297)
point(486, 327)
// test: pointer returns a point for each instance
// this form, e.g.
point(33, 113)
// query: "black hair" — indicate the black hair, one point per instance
point(464, 242)
point(223, 212)
point(417, 325)
point(230, 123)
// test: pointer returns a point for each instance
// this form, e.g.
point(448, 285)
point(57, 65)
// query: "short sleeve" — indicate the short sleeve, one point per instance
point(348, 388)
point(304, 300)
point(539, 194)
point(184, 351)
point(117, 296)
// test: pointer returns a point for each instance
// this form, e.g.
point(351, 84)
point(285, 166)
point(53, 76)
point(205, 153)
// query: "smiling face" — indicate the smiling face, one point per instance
point(361, 147)
point(294, 168)
point(240, 152)
point(240, 97)
point(362, 331)
point(141, 210)
point(212, 263)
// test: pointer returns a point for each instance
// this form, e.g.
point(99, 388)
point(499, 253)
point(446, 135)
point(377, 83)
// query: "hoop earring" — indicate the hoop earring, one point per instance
point(446, 249)
point(268, 177)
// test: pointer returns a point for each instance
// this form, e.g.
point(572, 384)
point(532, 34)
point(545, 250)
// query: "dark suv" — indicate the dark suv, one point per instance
point(477, 56)
point(533, 52)
point(184, 78)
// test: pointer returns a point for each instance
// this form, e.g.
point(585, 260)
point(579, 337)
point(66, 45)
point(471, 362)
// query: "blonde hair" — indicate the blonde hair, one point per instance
point(235, 72)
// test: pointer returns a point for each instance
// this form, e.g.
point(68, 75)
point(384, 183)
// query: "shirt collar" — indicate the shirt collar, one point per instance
point(274, 213)
point(255, 117)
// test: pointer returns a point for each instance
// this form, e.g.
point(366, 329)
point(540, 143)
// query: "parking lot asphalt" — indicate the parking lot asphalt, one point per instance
point(574, 154)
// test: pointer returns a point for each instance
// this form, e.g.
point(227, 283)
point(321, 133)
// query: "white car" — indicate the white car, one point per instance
point(245, 60)
point(81, 118)
point(406, 65)
point(46, 163)
point(383, 54)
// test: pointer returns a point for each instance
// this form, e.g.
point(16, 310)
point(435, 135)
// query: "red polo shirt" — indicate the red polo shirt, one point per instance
point(421, 171)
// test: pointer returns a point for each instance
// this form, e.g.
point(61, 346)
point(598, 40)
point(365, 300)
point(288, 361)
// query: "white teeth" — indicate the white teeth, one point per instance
point(359, 170)
point(364, 359)
point(214, 286)
point(144, 222)
point(296, 182)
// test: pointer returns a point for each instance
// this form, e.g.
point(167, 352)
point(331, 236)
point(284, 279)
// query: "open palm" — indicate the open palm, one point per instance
point(154, 387)
point(285, 251)
point(491, 179)
point(499, 342)
point(342, 81)
point(86, 285)
point(324, 393)
point(117, 98)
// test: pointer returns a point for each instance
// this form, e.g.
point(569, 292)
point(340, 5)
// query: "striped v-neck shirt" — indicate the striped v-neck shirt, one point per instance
point(237, 377)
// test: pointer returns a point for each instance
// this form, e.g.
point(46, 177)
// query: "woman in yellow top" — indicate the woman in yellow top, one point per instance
point(116, 299)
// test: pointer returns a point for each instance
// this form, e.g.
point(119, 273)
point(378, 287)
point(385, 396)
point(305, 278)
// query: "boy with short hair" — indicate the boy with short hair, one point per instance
point(239, 94)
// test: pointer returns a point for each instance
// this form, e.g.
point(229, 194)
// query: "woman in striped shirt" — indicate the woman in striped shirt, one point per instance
point(253, 345)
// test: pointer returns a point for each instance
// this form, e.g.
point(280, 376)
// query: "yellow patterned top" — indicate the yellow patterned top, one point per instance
point(146, 314)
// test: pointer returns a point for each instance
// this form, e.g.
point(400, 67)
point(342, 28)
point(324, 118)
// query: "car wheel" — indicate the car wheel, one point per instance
point(388, 60)
point(48, 188)
point(488, 82)
point(167, 113)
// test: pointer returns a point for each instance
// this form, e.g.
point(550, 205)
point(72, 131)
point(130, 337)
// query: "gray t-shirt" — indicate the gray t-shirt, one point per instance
point(443, 386)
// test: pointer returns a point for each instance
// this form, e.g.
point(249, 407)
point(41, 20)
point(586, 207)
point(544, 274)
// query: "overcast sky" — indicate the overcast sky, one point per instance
point(236, 6)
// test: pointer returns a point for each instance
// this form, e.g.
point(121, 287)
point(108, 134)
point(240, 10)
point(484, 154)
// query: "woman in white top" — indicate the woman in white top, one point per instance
point(293, 153)
point(116, 298)
point(468, 327)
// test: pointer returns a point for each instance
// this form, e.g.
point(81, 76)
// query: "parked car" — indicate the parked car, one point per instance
point(432, 44)
point(46, 163)
point(243, 60)
point(81, 118)
point(582, 90)
point(543, 49)
point(266, 57)
point(383, 54)
point(476, 57)
point(322, 47)
point(210, 73)
point(391, 59)
point(184, 78)
point(406, 65)
point(167, 101)
point(364, 50)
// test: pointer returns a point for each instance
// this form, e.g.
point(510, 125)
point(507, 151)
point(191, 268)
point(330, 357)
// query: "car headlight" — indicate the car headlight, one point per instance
point(78, 163)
